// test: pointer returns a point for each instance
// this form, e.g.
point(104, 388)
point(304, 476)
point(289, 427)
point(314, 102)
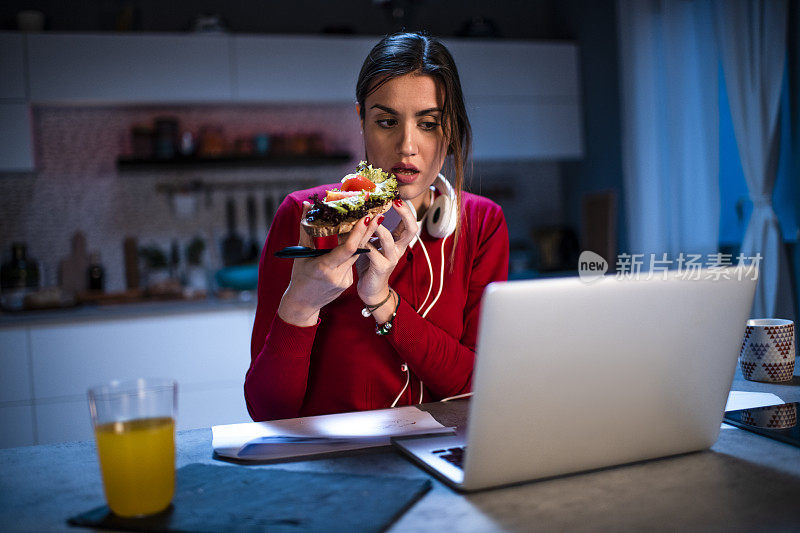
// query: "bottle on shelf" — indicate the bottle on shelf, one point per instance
point(95, 274)
point(18, 276)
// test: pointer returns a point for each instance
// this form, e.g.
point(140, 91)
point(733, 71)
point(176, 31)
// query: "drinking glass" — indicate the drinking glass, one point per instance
point(134, 426)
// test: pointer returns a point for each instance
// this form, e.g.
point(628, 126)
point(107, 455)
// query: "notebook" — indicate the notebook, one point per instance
point(573, 376)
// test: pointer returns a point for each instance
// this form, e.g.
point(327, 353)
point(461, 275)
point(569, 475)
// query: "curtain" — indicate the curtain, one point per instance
point(751, 36)
point(670, 125)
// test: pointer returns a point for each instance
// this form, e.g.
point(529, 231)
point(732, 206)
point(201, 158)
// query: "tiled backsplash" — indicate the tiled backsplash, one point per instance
point(78, 187)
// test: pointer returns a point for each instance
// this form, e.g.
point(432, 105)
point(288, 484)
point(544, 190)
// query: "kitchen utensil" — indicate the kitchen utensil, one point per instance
point(73, 267)
point(296, 252)
point(269, 209)
point(232, 246)
point(131, 253)
point(240, 278)
point(254, 248)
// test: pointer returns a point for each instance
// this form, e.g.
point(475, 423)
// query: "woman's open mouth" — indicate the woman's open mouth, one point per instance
point(405, 173)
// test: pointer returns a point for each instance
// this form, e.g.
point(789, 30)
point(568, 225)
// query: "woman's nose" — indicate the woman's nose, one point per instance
point(407, 143)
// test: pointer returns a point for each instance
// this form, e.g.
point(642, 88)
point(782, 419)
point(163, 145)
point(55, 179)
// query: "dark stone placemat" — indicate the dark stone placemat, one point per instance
point(227, 498)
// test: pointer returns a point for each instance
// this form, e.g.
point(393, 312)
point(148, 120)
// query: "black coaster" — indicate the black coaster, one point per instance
point(234, 498)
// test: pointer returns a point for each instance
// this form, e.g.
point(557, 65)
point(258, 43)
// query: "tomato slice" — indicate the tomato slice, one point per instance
point(358, 183)
point(334, 195)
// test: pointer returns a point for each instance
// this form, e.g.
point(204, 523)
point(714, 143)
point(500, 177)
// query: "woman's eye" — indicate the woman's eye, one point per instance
point(386, 122)
point(429, 125)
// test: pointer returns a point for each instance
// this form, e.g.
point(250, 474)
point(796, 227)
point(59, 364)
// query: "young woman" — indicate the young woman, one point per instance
point(313, 351)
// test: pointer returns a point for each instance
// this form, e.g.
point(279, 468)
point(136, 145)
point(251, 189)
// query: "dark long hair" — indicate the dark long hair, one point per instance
point(416, 53)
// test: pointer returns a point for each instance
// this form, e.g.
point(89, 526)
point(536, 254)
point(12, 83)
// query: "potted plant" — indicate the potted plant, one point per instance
point(155, 263)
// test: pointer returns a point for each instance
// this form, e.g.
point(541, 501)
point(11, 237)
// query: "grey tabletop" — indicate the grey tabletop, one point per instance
point(745, 482)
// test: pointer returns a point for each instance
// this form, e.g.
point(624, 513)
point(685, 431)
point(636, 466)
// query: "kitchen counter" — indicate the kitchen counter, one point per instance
point(93, 313)
point(743, 483)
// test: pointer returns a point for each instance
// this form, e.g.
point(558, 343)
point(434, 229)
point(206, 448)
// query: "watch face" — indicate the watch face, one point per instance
point(775, 421)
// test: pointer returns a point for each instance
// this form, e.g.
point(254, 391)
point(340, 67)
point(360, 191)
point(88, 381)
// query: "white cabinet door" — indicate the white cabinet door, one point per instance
point(525, 130)
point(207, 353)
point(62, 421)
point(15, 381)
point(12, 69)
point(129, 68)
point(203, 408)
point(69, 420)
point(298, 69)
point(516, 68)
point(194, 349)
point(16, 426)
point(16, 141)
point(16, 406)
point(523, 98)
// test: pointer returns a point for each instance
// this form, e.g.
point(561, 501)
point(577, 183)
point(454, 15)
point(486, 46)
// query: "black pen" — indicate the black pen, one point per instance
point(297, 252)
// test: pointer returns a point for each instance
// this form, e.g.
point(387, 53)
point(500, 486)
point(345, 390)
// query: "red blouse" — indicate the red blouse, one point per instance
point(340, 364)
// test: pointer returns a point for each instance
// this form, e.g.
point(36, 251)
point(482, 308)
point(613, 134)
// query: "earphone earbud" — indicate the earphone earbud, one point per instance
point(441, 218)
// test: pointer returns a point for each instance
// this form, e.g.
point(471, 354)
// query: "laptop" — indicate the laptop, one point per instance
point(573, 376)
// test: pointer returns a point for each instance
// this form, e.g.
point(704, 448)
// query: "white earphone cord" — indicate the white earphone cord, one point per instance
point(404, 366)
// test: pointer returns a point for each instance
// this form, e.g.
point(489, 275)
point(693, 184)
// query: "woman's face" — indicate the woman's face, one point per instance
point(403, 133)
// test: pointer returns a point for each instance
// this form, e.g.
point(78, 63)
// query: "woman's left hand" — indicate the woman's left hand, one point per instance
point(375, 267)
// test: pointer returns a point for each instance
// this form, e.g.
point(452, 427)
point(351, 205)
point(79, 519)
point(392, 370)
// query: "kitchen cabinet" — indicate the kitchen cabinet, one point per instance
point(16, 142)
point(526, 69)
point(16, 422)
point(16, 138)
point(525, 130)
point(15, 382)
point(298, 69)
point(16, 407)
point(128, 68)
point(523, 98)
point(12, 66)
point(49, 367)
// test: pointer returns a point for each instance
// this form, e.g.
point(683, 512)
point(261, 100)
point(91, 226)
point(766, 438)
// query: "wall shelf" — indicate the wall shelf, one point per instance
point(125, 164)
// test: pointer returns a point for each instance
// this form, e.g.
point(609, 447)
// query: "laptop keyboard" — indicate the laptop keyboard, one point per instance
point(452, 455)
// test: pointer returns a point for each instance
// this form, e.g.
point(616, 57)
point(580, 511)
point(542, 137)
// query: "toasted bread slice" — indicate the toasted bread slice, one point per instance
point(324, 230)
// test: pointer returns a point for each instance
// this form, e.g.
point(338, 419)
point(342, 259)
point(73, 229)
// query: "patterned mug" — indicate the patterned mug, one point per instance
point(767, 352)
point(773, 417)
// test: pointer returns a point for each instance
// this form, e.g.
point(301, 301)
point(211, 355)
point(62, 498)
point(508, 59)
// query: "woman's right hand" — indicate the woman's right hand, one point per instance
point(316, 282)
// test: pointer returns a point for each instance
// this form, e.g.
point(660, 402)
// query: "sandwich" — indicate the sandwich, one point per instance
point(367, 192)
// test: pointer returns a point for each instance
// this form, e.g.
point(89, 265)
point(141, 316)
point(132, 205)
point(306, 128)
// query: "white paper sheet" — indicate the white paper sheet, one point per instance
point(747, 400)
point(279, 439)
point(738, 399)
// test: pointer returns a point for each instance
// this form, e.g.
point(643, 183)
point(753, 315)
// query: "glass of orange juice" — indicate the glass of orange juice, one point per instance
point(134, 426)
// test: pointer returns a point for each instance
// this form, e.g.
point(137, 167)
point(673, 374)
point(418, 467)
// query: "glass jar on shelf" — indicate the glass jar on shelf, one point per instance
point(18, 277)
